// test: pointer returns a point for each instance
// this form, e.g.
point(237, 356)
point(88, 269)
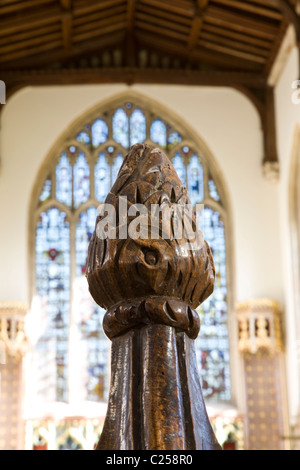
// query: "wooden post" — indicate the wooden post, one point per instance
point(150, 288)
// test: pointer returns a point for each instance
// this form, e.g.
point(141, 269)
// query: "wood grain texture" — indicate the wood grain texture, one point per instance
point(150, 288)
point(155, 400)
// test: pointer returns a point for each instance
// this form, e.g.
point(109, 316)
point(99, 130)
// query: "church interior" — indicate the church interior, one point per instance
point(215, 84)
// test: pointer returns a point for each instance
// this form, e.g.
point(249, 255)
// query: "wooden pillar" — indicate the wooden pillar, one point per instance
point(150, 288)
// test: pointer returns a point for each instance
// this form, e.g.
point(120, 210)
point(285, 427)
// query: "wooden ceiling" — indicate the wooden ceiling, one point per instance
point(203, 42)
point(231, 35)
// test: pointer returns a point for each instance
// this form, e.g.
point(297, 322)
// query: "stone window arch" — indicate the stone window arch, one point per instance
point(71, 358)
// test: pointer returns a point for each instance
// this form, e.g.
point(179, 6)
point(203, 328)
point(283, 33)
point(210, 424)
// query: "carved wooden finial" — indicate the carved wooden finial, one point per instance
point(150, 285)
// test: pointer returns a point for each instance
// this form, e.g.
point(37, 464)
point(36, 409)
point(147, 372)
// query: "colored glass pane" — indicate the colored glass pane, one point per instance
point(116, 167)
point(46, 191)
point(81, 172)
point(120, 127)
point(213, 343)
point(102, 178)
point(158, 133)
point(53, 291)
point(174, 138)
point(64, 181)
point(99, 132)
point(83, 137)
point(195, 180)
point(92, 344)
point(213, 192)
point(137, 127)
point(179, 167)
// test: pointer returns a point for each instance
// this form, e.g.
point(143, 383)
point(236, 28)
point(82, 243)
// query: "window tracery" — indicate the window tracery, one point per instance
point(79, 179)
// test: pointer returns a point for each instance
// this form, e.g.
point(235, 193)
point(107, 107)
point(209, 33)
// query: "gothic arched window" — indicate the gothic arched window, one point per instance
point(71, 359)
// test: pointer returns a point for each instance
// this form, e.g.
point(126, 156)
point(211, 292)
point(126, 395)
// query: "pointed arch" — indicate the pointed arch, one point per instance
point(94, 135)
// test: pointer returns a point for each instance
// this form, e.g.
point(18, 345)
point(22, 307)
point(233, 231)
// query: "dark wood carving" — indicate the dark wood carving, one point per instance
point(150, 288)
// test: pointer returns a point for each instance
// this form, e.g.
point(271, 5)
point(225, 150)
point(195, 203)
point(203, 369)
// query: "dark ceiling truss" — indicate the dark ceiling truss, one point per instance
point(231, 43)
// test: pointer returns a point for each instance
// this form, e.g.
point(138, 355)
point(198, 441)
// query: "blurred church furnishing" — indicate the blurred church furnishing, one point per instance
point(261, 346)
point(13, 345)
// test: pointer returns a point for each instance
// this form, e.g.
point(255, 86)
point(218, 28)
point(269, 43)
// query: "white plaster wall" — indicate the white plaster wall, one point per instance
point(228, 123)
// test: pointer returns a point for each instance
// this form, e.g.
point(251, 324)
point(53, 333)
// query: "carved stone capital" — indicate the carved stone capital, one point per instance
point(271, 171)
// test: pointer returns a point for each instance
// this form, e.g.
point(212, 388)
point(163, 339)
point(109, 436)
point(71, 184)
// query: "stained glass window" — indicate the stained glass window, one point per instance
point(83, 137)
point(174, 138)
point(116, 167)
point(120, 127)
point(102, 178)
point(53, 287)
point(195, 180)
point(92, 342)
point(79, 178)
point(213, 343)
point(158, 133)
point(64, 180)
point(179, 167)
point(46, 191)
point(137, 127)
point(213, 192)
point(99, 132)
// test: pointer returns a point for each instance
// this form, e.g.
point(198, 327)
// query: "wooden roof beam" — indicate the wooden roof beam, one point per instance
point(98, 25)
point(175, 6)
point(23, 36)
point(241, 38)
point(40, 48)
point(234, 45)
point(17, 6)
point(38, 60)
point(167, 15)
point(200, 56)
point(257, 10)
point(83, 7)
point(160, 31)
point(232, 51)
point(291, 14)
point(293, 17)
point(197, 24)
point(130, 15)
point(66, 4)
point(130, 46)
point(100, 31)
point(49, 15)
point(66, 21)
point(240, 80)
point(238, 22)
